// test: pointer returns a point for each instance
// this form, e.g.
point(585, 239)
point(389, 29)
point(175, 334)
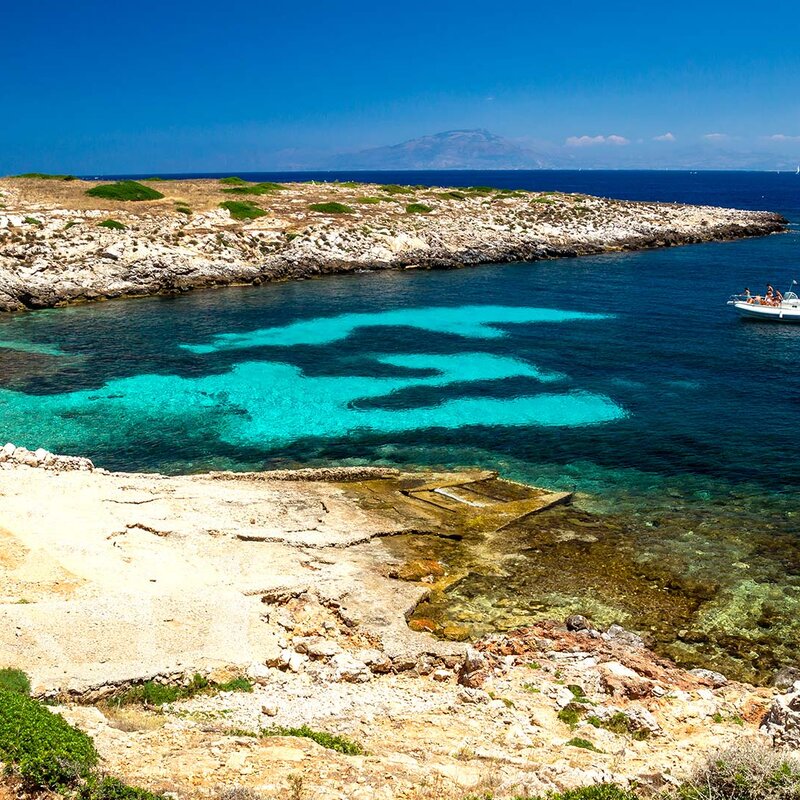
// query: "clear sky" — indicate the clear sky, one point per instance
point(177, 86)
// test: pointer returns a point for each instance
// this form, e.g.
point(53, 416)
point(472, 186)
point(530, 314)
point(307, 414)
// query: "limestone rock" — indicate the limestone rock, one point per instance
point(715, 679)
point(474, 670)
point(782, 722)
point(347, 668)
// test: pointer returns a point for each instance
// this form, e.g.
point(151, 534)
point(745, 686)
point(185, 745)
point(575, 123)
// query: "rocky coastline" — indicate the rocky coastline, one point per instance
point(60, 246)
point(112, 582)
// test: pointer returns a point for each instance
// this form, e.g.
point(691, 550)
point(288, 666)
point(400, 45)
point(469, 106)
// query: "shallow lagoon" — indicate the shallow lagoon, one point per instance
point(622, 377)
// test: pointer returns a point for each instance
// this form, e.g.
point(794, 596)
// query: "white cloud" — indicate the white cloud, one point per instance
point(665, 137)
point(584, 141)
point(782, 137)
point(715, 137)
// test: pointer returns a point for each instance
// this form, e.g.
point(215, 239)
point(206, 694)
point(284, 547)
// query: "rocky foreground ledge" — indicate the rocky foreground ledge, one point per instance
point(58, 245)
point(286, 588)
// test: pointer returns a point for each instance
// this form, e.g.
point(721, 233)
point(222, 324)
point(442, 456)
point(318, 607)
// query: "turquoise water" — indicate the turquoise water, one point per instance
point(623, 377)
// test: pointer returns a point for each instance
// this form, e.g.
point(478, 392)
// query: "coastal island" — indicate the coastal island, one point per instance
point(65, 240)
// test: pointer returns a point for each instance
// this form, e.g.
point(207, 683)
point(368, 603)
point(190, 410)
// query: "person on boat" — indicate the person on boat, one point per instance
point(747, 296)
point(777, 297)
point(769, 297)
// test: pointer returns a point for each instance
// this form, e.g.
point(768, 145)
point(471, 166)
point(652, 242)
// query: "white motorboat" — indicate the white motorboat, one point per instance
point(787, 310)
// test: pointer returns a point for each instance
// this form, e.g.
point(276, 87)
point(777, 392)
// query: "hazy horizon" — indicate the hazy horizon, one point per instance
point(182, 88)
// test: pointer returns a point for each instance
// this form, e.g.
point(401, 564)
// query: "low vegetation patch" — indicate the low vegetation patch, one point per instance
point(257, 188)
point(40, 747)
point(584, 744)
point(368, 200)
point(233, 180)
point(157, 694)
point(479, 190)
point(124, 190)
point(394, 188)
point(243, 209)
point(44, 176)
point(330, 740)
point(418, 208)
point(181, 208)
point(46, 753)
point(114, 224)
point(331, 208)
point(14, 680)
point(619, 723)
point(33, 221)
point(453, 195)
point(748, 770)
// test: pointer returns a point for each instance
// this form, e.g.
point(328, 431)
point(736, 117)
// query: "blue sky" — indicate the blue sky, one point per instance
point(177, 86)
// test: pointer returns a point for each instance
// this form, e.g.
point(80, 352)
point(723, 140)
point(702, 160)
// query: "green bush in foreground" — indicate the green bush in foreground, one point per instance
point(14, 680)
point(124, 190)
point(330, 740)
point(44, 176)
point(108, 788)
point(748, 770)
point(33, 221)
point(331, 208)
point(40, 747)
point(111, 223)
point(243, 209)
point(418, 208)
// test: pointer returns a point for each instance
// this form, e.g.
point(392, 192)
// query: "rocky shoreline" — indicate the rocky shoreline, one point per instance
point(113, 580)
point(59, 246)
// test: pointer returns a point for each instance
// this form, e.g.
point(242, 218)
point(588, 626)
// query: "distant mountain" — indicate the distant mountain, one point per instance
point(467, 149)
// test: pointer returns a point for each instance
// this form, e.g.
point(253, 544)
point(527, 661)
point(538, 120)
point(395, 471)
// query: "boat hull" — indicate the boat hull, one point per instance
point(786, 313)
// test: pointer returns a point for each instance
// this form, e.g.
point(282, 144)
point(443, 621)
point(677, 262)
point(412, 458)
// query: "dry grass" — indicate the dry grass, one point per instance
point(747, 770)
point(133, 718)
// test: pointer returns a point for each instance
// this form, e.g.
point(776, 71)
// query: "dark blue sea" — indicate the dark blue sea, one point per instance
point(624, 377)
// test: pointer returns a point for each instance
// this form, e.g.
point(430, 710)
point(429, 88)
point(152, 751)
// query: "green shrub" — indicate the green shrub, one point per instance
point(393, 188)
point(44, 176)
point(40, 746)
point(331, 208)
point(418, 208)
point(747, 770)
point(348, 184)
point(368, 200)
point(584, 744)
point(602, 791)
point(111, 223)
point(257, 188)
point(14, 680)
point(33, 221)
point(108, 788)
point(453, 195)
point(154, 178)
point(124, 190)
point(233, 180)
point(71, 224)
point(571, 714)
point(235, 685)
point(243, 209)
point(157, 694)
point(479, 189)
point(330, 740)
point(619, 723)
point(183, 209)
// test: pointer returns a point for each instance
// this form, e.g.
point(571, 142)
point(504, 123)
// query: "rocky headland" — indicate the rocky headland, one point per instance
point(59, 245)
point(279, 586)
